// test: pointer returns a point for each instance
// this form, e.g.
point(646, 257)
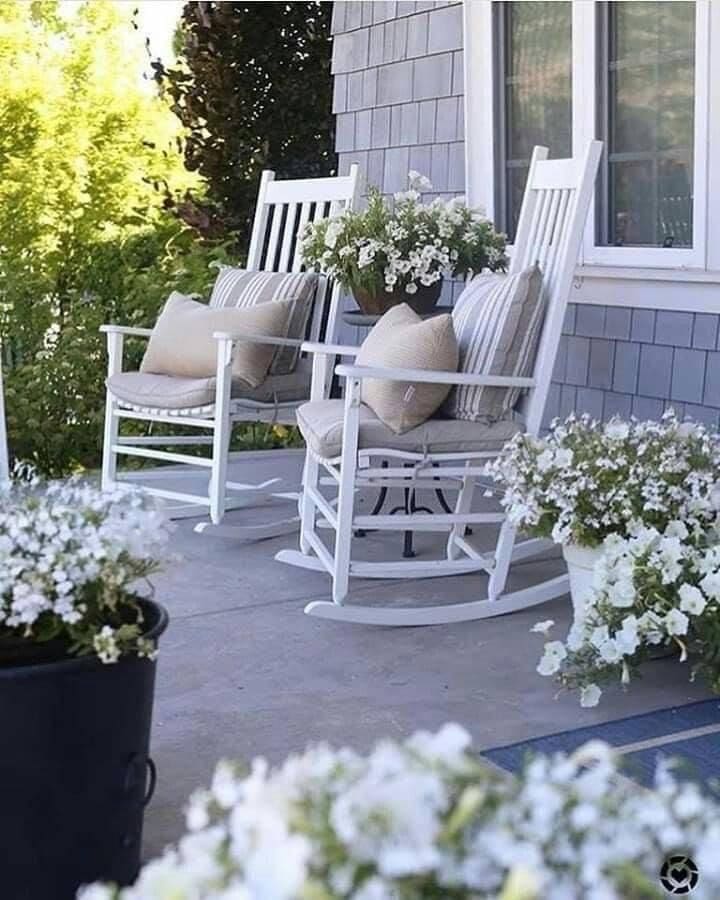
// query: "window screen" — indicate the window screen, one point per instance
point(534, 102)
point(647, 77)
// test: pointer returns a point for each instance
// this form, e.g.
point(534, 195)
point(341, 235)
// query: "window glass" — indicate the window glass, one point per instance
point(534, 44)
point(647, 59)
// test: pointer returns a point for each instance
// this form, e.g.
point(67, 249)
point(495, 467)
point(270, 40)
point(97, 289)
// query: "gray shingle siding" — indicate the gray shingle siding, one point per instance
point(639, 376)
point(398, 96)
point(399, 88)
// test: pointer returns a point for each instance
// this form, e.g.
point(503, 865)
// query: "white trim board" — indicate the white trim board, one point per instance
point(645, 291)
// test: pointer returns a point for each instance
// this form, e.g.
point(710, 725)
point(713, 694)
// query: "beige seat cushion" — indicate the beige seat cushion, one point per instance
point(161, 391)
point(321, 424)
point(170, 392)
point(401, 339)
point(182, 342)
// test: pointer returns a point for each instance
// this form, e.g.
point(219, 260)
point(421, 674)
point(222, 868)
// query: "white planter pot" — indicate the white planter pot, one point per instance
point(581, 565)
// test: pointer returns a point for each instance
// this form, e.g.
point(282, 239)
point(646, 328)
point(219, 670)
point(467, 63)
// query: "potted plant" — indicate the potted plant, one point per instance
point(585, 481)
point(652, 589)
point(78, 642)
point(399, 252)
point(427, 819)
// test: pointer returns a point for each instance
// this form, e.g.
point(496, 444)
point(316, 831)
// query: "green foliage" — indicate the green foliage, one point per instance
point(254, 91)
point(55, 394)
point(91, 166)
point(88, 156)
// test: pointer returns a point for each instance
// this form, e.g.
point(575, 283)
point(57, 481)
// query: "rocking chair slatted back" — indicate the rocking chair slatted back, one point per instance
point(284, 208)
point(549, 233)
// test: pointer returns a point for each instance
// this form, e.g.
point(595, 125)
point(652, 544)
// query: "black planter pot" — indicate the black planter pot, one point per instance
point(75, 774)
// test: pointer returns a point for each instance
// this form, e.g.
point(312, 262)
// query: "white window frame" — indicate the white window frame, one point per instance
point(480, 162)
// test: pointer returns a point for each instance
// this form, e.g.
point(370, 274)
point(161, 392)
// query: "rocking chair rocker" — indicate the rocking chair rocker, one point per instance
point(347, 442)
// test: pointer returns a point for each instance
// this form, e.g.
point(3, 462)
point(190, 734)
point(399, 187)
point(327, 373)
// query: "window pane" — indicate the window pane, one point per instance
point(647, 123)
point(536, 93)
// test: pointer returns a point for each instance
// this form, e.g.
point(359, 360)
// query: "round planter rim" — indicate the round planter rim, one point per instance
point(76, 663)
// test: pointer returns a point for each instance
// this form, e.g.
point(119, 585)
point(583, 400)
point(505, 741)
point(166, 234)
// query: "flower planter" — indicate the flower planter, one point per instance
point(422, 302)
point(74, 769)
point(581, 565)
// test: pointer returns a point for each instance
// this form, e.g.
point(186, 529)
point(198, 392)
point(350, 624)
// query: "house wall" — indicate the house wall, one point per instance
point(398, 70)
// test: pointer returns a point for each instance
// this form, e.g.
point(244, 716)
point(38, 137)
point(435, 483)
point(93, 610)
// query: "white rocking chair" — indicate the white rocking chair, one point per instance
point(283, 210)
point(549, 232)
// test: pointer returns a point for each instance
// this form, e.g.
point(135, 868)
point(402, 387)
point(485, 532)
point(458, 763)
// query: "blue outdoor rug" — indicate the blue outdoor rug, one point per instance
point(690, 733)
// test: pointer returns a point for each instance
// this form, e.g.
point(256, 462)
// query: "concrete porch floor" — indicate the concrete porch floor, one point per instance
point(242, 672)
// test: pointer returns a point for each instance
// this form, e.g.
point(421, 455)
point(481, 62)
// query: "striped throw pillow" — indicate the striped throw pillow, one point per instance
point(497, 321)
point(241, 288)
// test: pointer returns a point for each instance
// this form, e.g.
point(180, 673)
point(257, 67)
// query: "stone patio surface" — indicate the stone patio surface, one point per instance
point(243, 672)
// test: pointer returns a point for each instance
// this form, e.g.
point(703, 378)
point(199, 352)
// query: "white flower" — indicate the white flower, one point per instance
point(522, 884)
point(545, 460)
point(332, 233)
point(553, 656)
point(419, 182)
point(590, 696)
point(566, 828)
point(450, 744)
point(225, 787)
point(70, 554)
point(563, 457)
point(676, 622)
point(691, 599)
point(543, 627)
point(96, 892)
point(106, 646)
point(711, 585)
point(411, 288)
point(628, 639)
point(375, 889)
point(609, 651)
point(411, 195)
point(197, 815)
point(617, 430)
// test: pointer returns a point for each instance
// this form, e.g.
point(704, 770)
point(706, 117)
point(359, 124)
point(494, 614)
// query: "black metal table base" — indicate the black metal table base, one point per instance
point(407, 507)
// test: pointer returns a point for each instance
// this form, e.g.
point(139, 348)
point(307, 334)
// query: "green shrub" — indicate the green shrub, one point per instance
point(55, 378)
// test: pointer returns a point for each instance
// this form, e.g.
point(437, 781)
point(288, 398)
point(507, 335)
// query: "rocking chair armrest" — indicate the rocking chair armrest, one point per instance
point(317, 347)
point(256, 338)
point(129, 330)
point(433, 376)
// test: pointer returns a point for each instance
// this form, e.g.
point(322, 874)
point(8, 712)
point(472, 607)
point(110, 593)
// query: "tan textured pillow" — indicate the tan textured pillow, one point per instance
point(182, 341)
point(401, 339)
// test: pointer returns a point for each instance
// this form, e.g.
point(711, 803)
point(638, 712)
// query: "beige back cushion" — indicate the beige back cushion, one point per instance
point(182, 341)
point(401, 339)
point(498, 320)
point(241, 288)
